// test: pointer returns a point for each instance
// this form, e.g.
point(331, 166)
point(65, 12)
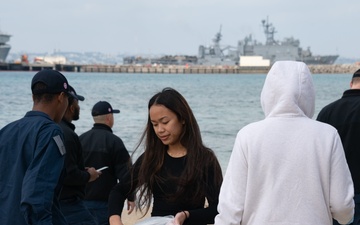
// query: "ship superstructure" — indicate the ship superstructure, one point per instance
point(273, 50)
point(216, 54)
point(288, 49)
point(4, 48)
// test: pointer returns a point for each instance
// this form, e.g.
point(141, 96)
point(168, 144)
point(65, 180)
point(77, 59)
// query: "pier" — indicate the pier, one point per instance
point(170, 69)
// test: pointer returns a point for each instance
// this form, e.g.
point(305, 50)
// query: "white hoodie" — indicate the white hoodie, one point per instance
point(287, 169)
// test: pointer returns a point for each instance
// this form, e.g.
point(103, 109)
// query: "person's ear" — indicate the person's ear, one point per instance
point(72, 108)
point(108, 117)
point(62, 97)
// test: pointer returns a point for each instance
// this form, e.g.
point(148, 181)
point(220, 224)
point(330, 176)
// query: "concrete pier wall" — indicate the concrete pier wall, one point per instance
point(315, 69)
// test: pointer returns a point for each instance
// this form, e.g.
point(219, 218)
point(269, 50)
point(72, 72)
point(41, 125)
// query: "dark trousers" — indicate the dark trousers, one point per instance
point(75, 212)
point(99, 210)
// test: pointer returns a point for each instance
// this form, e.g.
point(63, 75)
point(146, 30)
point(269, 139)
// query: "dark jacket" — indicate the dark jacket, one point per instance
point(31, 162)
point(76, 176)
point(344, 115)
point(103, 148)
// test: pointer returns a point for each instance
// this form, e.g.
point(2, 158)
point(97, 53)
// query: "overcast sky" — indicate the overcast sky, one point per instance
point(176, 26)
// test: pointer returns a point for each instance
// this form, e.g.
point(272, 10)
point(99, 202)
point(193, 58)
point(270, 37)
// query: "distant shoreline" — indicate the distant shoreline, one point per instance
point(172, 69)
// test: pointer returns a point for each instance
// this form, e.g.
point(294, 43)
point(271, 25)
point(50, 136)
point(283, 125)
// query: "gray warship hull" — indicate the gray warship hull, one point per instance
point(288, 49)
point(320, 60)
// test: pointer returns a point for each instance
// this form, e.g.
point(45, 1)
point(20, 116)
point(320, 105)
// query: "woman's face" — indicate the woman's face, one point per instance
point(166, 124)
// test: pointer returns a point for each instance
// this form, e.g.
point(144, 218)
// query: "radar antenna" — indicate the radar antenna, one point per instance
point(218, 35)
point(269, 31)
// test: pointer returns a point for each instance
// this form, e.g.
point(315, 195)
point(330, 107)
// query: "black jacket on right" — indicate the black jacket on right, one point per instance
point(344, 115)
point(103, 148)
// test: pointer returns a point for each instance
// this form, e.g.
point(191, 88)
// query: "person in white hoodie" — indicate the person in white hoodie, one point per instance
point(288, 168)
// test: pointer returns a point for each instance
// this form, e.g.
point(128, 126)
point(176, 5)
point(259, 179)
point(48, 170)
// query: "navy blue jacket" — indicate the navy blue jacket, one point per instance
point(31, 163)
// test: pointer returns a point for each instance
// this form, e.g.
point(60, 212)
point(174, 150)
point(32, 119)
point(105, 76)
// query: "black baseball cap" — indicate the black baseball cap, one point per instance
point(55, 82)
point(102, 108)
point(78, 97)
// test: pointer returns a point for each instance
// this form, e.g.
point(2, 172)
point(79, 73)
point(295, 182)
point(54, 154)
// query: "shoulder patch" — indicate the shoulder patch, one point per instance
point(60, 144)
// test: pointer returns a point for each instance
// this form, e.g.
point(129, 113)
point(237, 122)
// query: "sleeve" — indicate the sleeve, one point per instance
point(116, 200)
point(123, 190)
point(233, 189)
point(212, 195)
point(74, 174)
point(121, 159)
point(42, 176)
point(341, 189)
point(122, 162)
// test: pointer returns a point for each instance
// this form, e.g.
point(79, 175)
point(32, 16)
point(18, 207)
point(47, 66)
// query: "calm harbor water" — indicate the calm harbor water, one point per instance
point(222, 103)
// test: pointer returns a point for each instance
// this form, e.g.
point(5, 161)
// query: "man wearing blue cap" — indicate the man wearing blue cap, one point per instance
point(32, 156)
point(102, 148)
point(76, 176)
point(344, 115)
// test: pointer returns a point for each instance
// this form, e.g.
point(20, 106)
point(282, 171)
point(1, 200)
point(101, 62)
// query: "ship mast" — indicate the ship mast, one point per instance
point(269, 31)
point(216, 41)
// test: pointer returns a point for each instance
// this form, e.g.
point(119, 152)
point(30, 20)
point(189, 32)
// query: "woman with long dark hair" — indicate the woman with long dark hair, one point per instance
point(177, 174)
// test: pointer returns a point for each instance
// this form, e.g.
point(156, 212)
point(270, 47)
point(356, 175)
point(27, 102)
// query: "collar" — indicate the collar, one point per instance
point(351, 92)
point(102, 126)
point(71, 125)
point(38, 113)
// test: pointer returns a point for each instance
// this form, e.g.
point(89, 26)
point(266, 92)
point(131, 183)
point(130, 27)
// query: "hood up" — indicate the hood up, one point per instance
point(288, 91)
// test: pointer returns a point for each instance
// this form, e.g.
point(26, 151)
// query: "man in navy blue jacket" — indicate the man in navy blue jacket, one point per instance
point(32, 156)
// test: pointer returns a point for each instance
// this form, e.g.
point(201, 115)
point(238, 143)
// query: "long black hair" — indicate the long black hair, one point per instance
point(199, 160)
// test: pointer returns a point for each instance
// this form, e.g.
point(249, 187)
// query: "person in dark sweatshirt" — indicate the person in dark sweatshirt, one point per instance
point(103, 149)
point(76, 176)
point(343, 114)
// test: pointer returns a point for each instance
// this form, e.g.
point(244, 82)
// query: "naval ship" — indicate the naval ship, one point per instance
point(288, 49)
point(216, 54)
point(4, 48)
